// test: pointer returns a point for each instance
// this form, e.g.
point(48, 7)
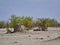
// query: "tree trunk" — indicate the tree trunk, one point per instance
point(44, 28)
point(16, 28)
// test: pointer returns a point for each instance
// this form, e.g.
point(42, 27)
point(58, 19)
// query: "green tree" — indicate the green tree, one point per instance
point(14, 22)
point(2, 24)
point(58, 24)
point(27, 21)
point(46, 22)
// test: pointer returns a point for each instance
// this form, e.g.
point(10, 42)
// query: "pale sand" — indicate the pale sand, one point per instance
point(31, 38)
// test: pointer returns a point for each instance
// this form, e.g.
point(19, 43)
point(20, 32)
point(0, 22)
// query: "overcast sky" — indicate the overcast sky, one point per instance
point(34, 8)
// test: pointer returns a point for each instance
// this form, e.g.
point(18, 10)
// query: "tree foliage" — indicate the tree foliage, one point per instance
point(27, 21)
point(2, 24)
point(46, 22)
point(14, 20)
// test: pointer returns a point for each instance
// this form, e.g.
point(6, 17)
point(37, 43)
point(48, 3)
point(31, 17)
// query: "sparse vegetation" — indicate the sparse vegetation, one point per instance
point(46, 22)
point(16, 22)
point(3, 24)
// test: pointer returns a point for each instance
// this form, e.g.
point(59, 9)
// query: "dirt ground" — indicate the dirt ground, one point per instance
point(30, 38)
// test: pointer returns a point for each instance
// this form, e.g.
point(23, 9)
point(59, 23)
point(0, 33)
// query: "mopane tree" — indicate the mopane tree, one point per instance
point(14, 22)
point(2, 24)
point(46, 22)
point(28, 22)
point(42, 24)
point(58, 25)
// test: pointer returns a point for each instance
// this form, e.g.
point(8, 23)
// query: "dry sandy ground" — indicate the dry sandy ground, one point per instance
point(31, 38)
